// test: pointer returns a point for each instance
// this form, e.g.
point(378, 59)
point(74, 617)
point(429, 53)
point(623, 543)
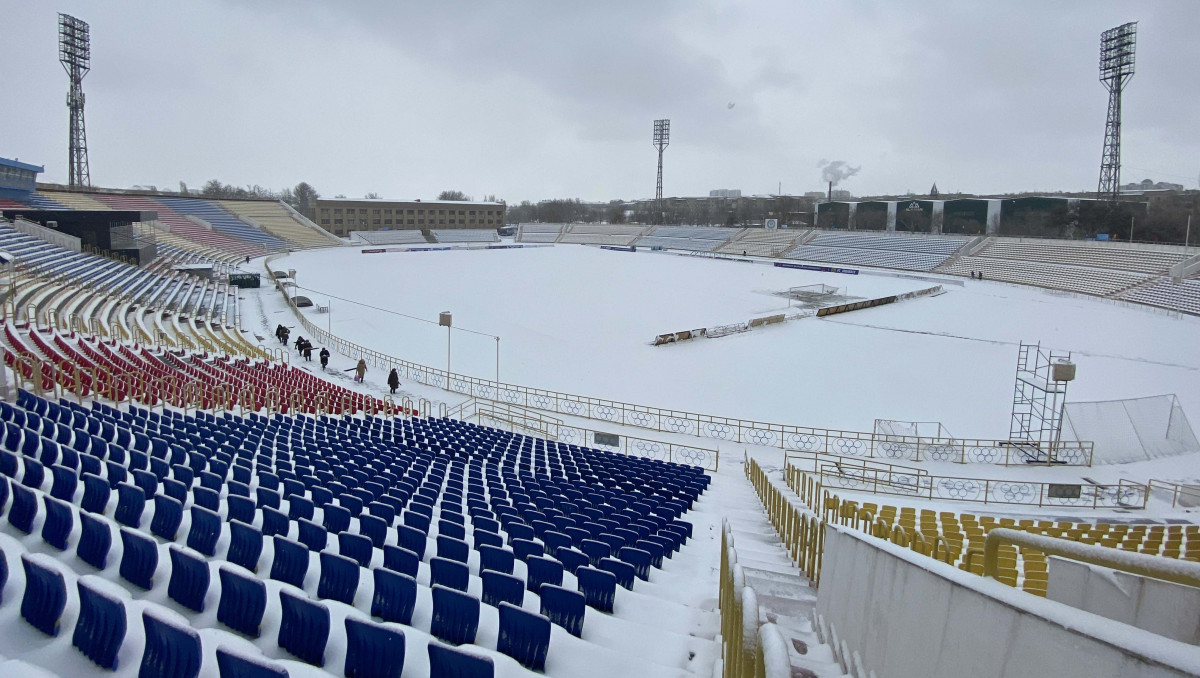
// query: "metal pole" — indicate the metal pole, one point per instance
point(447, 357)
point(497, 361)
point(1130, 228)
point(1188, 236)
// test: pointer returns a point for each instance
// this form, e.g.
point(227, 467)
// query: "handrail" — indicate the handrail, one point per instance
point(784, 436)
point(1141, 564)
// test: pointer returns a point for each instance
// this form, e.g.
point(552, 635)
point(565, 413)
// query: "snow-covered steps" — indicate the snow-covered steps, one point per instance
point(764, 595)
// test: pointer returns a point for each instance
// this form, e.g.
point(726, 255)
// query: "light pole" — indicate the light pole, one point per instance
point(497, 361)
point(444, 320)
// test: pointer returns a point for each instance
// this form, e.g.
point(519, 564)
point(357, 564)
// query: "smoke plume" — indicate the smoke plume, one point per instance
point(836, 170)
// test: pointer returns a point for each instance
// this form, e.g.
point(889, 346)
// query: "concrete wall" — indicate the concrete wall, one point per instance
point(893, 613)
point(1161, 607)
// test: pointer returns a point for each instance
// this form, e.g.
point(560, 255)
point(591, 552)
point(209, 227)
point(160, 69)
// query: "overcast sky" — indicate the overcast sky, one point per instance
point(534, 100)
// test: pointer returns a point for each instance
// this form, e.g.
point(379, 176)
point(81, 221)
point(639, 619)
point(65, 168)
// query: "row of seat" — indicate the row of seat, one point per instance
point(543, 574)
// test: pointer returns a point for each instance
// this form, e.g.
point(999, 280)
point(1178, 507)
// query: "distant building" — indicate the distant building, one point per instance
point(339, 216)
point(17, 179)
point(1149, 185)
point(725, 193)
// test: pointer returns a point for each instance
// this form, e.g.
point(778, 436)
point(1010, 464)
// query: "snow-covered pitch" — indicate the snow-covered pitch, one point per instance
point(580, 320)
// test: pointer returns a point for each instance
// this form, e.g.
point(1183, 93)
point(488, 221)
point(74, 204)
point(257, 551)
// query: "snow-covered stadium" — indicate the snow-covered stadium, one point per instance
point(626, 451)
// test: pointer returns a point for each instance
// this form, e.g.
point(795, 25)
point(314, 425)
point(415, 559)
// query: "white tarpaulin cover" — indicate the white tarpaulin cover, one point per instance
point(1131, 430)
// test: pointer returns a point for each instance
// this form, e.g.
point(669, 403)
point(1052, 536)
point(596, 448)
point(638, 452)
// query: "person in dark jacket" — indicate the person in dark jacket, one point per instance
point(394, 380)
point(324, 358)
point(283, 335)
point(308, 350)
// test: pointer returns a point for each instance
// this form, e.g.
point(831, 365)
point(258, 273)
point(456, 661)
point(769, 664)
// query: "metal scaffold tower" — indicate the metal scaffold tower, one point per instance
point(1039, 398)
point(75, 54)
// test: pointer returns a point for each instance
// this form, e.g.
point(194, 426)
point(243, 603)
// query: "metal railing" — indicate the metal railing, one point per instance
point(855, 476)
point(744, 431)
point(1180, 495)
point(555, 429)
point(1141, 564)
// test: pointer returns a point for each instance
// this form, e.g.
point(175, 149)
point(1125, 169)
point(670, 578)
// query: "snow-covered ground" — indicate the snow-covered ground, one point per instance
point(580, 320)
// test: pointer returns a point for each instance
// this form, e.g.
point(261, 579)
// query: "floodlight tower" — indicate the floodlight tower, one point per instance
point(75, 54)
point(1116, 67)
point(662, 138)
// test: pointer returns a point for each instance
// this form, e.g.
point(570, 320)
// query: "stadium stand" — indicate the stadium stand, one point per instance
point(279, 220)
point(181, 225)
point(761, 242)
point(221, 220)
point(465, 235)
point(1166, 293)
point(213, 475)
point(539, 233)
point(1088, 280)
point(601, 234)
point(693, 238)
point(404, 237)
point(1139, 259)
point(74, 200)
point(914, 253)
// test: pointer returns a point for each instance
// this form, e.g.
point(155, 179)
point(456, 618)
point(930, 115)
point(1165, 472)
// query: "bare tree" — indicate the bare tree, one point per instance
point(371, 196)
point(453, 195)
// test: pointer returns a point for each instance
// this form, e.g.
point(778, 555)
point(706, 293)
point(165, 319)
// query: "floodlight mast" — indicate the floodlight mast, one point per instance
point(1117, 47)
point(75, 55)
point(662, 138)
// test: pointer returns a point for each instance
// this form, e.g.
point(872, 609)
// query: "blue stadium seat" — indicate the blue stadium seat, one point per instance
point(23, 510)
point(417, 521)
point(188, 585)
point(449, 662)
point(245, 545)
point(373, 651)
point(599, 588)
point(571, 559)
point(171, 651)
point(524, 636)
point(495, 559)
point(639, 559)
point(356, 547)
point(95, 494)
point(139, 561)
point(100, 630)
point(45, 596)
point(449, 573)
point(274, 522)
point(204, 532)
point(267, 498)
point(131, 501)
point(455, 616)
point(395, 596)
point(524, 548)
point(95, 539)
point(168, 513)
point(519, 531)
point(336, 519)
point(65, 483)
point(243, 602)
point(374, 528)
point(147, 481)
point(412, 539)
point(300, 508)
point(654, 549)
point(233, 665)
point(312, 535)
point(481, 539)
point(290, 564)
point(206, 498)
point(501, 588)
point(453, 549)
point(595, 550)
point(554, 539)
point(401, 560)
point(452, 529)
point(304, 628)
point(564, 607)
point(541, 571)
point(240, 508)
point(339, 578)
point(59, 521)
point(35, 472)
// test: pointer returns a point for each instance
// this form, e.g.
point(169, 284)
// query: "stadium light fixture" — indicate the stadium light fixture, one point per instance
point(1117, 60)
